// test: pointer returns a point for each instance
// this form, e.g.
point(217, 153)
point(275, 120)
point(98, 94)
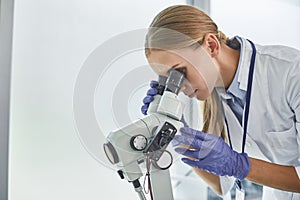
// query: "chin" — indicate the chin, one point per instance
point(202, 97)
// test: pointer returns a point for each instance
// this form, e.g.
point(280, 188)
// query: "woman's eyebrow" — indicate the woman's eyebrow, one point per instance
point(180, 69)
point(173, 67)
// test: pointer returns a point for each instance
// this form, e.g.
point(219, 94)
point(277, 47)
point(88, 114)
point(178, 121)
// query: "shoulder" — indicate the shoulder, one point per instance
point(279, 53)
point(279, 62)
point(279, 66)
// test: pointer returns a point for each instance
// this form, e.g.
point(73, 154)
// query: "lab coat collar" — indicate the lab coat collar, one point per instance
point(234, 87)
point(238, 87)
point(244, 62)
point(222, 93)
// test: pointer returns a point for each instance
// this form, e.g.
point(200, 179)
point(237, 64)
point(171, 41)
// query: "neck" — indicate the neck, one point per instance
point(228, 61)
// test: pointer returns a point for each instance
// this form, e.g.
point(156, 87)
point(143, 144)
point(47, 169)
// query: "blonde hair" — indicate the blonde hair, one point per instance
point(183, 26)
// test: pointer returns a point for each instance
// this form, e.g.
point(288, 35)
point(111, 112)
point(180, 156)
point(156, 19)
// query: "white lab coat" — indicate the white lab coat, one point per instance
point(274, 117)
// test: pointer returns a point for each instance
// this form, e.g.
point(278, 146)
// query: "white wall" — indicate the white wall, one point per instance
point(52, 39)
point(264, 22)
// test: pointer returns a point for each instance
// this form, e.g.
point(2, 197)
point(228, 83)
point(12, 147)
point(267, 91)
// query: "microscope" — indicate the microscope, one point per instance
point(145, 141)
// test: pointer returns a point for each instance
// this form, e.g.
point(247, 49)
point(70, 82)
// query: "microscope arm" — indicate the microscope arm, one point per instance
point(161, 184)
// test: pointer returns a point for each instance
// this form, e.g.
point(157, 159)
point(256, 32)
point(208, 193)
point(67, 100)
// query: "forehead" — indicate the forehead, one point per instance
point(162, 61)
point(163, 56)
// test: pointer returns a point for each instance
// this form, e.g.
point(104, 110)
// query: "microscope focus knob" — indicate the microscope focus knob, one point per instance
point(138, 142)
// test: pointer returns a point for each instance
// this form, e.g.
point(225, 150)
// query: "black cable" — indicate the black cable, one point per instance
point(147, 176)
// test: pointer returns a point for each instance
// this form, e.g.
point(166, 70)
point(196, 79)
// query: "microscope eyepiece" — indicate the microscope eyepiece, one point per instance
point(174, 81)
point(161, 84)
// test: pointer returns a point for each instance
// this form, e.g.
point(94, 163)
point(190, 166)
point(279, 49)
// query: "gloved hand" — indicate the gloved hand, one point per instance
point(210, 153)
point(150, 96)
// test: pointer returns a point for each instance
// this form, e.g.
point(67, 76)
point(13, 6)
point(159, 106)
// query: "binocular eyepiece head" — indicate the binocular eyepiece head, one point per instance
point(172, 83)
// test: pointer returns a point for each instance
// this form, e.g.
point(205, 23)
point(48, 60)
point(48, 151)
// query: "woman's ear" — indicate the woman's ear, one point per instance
point(211, 44)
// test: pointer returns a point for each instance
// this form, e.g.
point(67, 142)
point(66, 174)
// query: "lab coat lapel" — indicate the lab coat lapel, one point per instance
point(236, 135)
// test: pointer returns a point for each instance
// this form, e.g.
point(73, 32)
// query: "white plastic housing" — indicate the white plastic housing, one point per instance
point(169, 105)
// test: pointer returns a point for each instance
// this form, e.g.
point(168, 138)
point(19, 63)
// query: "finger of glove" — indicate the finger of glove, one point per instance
point(188, 141)
point(153, 84)
point(197, 164)
point(188, 152)
point(152, 92)
point(192, 163)
point(189, 132)
point(148, 99)
point(144, 109)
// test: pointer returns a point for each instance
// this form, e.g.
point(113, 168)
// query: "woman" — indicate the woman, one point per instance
point(251, 98)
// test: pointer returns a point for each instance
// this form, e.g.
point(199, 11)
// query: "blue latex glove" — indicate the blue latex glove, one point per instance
point(150, 96)
point(210, 153)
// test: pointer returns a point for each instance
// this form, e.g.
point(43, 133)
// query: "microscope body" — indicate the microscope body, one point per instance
point(130, 146)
